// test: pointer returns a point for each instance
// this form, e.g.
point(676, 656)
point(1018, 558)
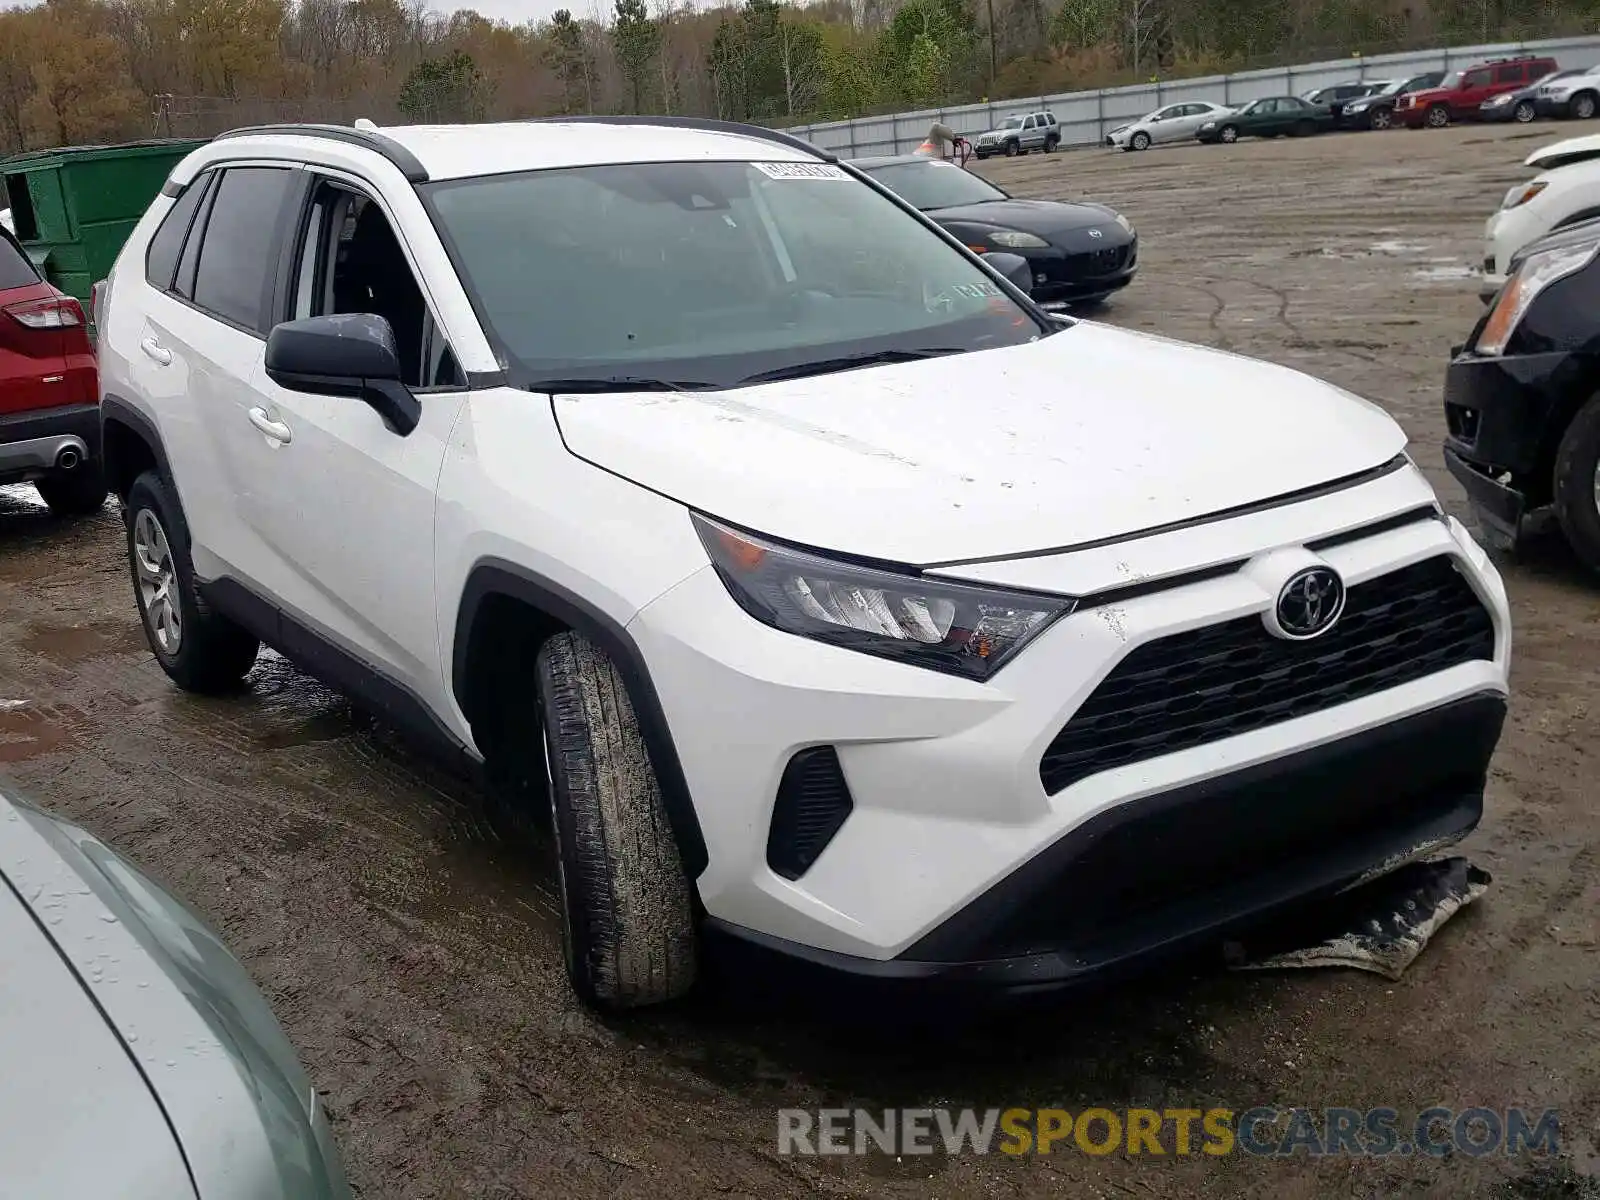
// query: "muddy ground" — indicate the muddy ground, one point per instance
point(414, 959)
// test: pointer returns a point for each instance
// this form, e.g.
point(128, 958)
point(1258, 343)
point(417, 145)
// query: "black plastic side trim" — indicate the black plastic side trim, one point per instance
point(492, 576)
point(172, 190)
point(318, 655)
point(478, 381)
point(409, 165)
point(707, 124)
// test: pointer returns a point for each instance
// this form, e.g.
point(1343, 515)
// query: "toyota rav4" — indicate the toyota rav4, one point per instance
point(828, 598)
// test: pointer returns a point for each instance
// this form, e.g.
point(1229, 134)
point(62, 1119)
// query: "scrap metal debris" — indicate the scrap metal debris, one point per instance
point(1380, 927)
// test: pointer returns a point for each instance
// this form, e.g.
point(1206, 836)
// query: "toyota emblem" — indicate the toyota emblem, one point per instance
point(1095, 233)
point(1309, 604)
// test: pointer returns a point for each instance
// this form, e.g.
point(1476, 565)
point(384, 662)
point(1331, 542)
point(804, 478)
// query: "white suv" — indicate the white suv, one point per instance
point(841, 605)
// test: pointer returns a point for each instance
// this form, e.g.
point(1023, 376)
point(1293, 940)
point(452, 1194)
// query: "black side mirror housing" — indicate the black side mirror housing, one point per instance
point(1014, 267)
point(345, 354)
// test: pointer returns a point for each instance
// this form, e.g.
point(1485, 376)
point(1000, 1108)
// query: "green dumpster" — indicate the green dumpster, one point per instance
point(73, 207)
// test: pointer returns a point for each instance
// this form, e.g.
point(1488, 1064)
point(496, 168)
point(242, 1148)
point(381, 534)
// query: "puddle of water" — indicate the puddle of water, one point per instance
point(1396, 246)
point(27, 733)
point(69, 644)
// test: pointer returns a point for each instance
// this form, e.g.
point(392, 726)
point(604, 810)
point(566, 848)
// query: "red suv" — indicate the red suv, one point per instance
point(49, 389)
point(1458, 96)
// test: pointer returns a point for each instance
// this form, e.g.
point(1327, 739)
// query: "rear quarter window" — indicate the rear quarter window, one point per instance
point(161, 257)
point(15, 269)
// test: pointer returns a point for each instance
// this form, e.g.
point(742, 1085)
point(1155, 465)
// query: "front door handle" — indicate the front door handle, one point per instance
point(156, 351)
point(276, 430)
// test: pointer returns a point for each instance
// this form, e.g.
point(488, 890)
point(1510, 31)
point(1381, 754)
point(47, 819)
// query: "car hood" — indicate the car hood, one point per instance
point(1092, 433)
point(1565, 152)
point(185, 1011)
point(84, 1122)
point(1042, 217)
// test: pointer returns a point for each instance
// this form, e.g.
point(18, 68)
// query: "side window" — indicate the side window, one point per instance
point(1029, 123)
point(1510, 74)
point(183, 282)
point(352, 262)
point(1475, 79)
point(238, 255)
point(161, 256)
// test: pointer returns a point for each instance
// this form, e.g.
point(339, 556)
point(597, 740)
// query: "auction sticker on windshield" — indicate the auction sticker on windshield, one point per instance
point(800, 170)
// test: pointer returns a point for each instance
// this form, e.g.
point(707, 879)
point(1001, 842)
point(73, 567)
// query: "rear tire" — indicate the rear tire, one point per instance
point(1304, 128)
point(1438, 117)
point(1577, 483)
point(627, 916)
point(1140, 141)
point(1050, 144)
point(200, 649)
point(78, 494)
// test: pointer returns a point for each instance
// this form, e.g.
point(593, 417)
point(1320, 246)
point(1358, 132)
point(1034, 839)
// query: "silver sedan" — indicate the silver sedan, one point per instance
point(141, 1062)
point(1174, 123)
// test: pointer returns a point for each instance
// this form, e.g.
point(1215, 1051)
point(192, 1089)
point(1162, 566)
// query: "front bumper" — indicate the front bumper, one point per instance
point(1063, 274)
point(1235, 851)
point(31, 442)
point(1505, 232)
point(950, 808)
point(1499, 413)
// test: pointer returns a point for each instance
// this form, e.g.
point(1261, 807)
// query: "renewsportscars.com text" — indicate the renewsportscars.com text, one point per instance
point(1175, 1132)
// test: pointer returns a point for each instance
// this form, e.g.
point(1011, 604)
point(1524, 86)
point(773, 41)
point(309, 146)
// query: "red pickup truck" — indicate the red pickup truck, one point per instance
point(1457, 98)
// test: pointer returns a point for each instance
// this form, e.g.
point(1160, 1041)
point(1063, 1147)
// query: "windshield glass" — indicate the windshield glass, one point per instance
point(1012, 123)
point(935, 184)
point(708, 272)
point(1453, 79)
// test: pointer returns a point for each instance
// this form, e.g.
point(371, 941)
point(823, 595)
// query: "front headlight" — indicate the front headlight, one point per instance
point(1209, 125)
point(1503, 98)
point(1536, 272)
point(1015, 239)
point(951, 627)
point(1522, 193)
point(1356, 106)
point(1127, 225)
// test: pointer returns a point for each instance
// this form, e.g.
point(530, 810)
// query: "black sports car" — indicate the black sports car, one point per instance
point(1079, 253)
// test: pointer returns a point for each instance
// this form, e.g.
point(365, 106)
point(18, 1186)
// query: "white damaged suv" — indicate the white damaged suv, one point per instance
point(840, 606)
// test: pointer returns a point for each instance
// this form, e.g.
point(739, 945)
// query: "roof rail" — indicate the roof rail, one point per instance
point(703, 123)
point(408, 163)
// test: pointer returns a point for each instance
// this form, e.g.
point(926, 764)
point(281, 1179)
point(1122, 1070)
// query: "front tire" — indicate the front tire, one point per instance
point(1524, 112)
point(627, 917)
point(1228, 135)
point(78, 494)
point(1438, 117)
point(1380, 119)
point(199, 649)
point(1013, 149)
point(1140, 141)
point(1577, 483)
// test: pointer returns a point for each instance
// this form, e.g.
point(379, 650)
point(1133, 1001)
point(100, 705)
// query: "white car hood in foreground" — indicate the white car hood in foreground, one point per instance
point(1089, 434)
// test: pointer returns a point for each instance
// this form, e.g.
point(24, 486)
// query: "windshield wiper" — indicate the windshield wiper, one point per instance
point(824, 366)
point(616, 383)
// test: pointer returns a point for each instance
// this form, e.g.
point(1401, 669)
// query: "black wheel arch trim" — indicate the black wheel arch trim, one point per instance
point(494, 576)
point(116, 411)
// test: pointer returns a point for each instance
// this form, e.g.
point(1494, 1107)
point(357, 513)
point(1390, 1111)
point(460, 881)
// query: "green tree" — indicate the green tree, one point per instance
point(637, 39)
point(444, 89)
point(568, 56)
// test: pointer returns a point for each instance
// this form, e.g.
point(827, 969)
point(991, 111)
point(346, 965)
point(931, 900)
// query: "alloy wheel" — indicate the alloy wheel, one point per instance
point(1381, 119)
point(1230, 134)
point(157, 579)
point(1523, 113)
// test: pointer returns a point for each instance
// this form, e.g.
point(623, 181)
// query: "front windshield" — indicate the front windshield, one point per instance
point(1012, 123)
point(933, 184)
point(708, 273)
point(1453, 79)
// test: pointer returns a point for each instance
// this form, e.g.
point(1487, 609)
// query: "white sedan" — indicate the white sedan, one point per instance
point(1174, 123)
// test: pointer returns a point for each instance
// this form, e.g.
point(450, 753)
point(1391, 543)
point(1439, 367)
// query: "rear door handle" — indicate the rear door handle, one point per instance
point(276, 430)
point(156, 351)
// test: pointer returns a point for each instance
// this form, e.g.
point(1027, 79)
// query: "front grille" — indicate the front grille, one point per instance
point(813, 802)
point(1220, 680)
point(1091, 264)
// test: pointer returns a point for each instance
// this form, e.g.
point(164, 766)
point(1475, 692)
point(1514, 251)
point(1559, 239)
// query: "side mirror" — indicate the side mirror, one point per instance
point(1014, 267)
point(348, 354)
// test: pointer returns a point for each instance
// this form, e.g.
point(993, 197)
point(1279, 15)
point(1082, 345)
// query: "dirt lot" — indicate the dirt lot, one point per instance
point(414, 960)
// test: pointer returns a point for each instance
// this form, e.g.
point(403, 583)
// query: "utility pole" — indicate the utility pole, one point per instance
point(991, 49)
